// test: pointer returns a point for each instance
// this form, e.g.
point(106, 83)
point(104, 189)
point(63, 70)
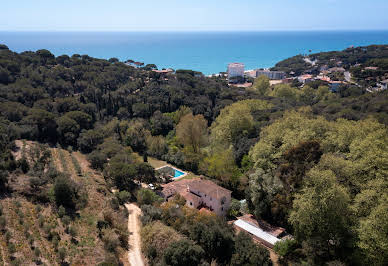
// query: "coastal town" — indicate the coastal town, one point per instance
point(333, 76)
point(331, 72)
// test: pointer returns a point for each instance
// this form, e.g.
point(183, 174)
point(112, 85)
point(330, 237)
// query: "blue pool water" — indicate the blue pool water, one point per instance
point(178, 173)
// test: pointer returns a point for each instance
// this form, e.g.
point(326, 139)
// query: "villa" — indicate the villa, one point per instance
point(200, 193)
point(305, 78)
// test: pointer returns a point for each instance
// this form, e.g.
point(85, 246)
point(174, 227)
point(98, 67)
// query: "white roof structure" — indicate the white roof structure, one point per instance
point(256, 231)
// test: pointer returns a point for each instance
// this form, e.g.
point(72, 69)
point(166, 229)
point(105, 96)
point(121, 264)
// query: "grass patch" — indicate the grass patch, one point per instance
point(76, 165)
point(62, 159)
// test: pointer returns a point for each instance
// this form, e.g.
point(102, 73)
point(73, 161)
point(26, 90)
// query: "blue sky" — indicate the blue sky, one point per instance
point(196, 15)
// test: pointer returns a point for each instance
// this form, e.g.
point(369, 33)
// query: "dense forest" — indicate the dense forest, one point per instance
point(307, 159)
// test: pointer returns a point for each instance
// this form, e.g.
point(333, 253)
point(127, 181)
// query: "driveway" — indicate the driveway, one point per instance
point(135, 257)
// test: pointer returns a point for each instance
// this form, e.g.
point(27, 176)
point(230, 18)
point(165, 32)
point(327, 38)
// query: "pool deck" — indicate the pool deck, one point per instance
point(156, 163)
point(176, 169)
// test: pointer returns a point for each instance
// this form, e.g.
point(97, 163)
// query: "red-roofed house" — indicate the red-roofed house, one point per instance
point(200, 193)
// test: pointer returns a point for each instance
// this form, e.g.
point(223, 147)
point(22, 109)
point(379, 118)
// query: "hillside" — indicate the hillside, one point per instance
point(75, 128)
point(35, 229)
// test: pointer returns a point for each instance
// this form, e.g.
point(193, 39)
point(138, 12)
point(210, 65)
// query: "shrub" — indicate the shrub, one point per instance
point(285, 247)
point(23, 164)
point(61, 211)
point(8, 236)
point(11, 247)
point(18, 204)
point(62, 254)
point(150, 213)
point(66, 192)
point(97, 159)
point(41, 220)
point(246, 252)
point(147, 196)
point(123, 196)
point(111, 240)
point(123, 234)
point(115, 204)
point(66, 220)
point(3, 223)
point(63, 160)
point(37, 252)
point(109, 217)
point(77, 167)
point(235, 207)
point(156, 237)
point(38, 208)
point(73, 231)
point(55, 241)
point(183, 252)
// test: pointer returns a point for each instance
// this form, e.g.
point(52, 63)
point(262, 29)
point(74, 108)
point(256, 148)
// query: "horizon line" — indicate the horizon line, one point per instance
point(191, 30)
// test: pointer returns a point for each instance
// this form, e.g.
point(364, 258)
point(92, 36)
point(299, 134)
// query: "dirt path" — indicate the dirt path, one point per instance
point(134, 254)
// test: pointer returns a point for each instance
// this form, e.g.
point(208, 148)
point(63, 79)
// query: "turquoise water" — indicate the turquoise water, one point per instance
point(208, 52)
point(178, 173)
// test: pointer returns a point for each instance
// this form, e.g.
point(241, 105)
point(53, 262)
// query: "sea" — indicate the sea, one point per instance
point(207, 52)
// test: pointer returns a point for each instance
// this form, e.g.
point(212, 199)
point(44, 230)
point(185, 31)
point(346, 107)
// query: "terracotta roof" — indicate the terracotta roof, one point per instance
point(208, 187)
point(204, 186)
point(191, 197)
point(306, 76)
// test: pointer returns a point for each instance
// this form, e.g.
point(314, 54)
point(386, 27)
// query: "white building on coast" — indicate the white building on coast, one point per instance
point(235, 70)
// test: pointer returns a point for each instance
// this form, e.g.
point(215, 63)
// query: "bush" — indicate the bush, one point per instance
point(66, 220)
point(65, 192)
point(115, 204)
point(61, 211)
point(123, 196)
point(235, 207)
point(62, 254)
point(41, 220)
point(147, 196)
point(37, 252)
point(23, 164)
point(97, 160)
point(38, 208)
point(150, 213)
point(111, 240)
point(11, 248)
point(55, 241)
point(3, 223)
point(77, 167)
point(63, 160)
point(248, 253)
point(73, 231)
point(8, 236)
point(156, 237)
point(3, 179)
point(183, 252)
point(285, 247)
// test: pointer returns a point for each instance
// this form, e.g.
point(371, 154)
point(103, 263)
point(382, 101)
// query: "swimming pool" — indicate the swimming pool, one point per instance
point(171, 171)
point(178, 173)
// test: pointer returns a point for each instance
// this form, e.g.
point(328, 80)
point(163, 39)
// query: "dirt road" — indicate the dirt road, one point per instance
point(134, 254)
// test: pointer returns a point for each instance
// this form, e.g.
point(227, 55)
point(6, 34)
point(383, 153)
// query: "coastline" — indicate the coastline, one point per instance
point(208, 52)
